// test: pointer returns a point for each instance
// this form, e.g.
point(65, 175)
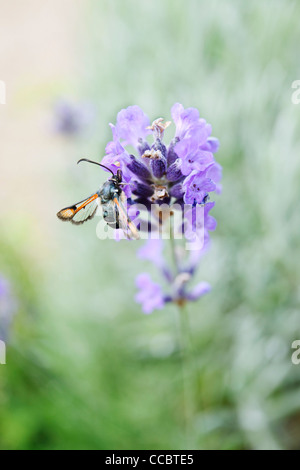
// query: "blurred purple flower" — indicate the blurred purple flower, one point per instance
point(198, 291)
point(71, 118)
point(150, 294)
point(152, 251)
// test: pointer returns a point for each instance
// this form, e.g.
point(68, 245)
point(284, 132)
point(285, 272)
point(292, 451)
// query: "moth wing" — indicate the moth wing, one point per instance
point(81, 211)
point(128, 227)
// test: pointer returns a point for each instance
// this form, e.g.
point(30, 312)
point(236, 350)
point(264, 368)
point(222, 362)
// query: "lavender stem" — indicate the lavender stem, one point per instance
point(185, 351)
point(187, 392)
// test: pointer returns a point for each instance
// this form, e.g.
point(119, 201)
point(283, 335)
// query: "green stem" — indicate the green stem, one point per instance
point(187, 390)
point(185, 355)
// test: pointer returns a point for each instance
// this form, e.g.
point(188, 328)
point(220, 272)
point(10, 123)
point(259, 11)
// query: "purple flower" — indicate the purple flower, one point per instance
point(161, 175)
point(211, 145)
point(192, 155)
point(132, 125)
point(4, 288)
point(152, 251)
point(199, 222)
point(72, 118)
point(115, 154)
point(196, 187)
point(184, 119)
point(215, 174)
point(198, 291)
point(114, 151)
point(199, 160)
point(150, 294)
point(155, 170)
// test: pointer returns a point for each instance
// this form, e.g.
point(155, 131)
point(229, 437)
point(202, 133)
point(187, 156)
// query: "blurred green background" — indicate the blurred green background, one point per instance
point(85, 368)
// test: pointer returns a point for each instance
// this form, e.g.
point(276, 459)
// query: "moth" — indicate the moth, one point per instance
point(111, 198)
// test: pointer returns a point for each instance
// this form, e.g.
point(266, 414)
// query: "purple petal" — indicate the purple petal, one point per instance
point(176, 111)
point(199, 160)
point(198, 291)
point(152, 251)
point(215, 172)
point(132, 125)
point(211, 223)
point(150, 294)
point(196, 185)
point(198, 217)
point(211, 145)
point(184, 119)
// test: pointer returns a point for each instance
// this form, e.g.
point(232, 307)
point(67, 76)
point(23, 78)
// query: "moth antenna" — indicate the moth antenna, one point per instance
point(95, 163)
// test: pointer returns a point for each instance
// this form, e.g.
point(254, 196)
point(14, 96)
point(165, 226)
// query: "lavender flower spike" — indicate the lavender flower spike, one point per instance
point(164, 177)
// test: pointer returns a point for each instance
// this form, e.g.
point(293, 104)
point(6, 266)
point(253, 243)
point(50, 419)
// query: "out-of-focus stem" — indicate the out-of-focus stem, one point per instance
point(185, 353)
